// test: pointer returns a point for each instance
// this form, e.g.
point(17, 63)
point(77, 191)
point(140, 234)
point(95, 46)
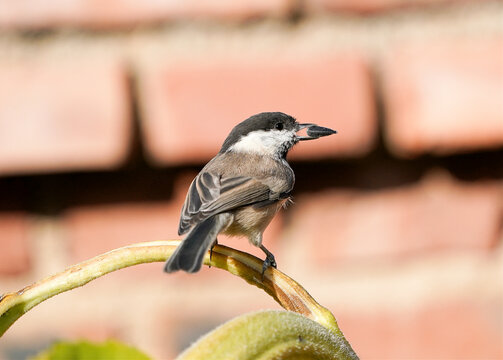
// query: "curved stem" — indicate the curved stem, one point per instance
point(287, 292)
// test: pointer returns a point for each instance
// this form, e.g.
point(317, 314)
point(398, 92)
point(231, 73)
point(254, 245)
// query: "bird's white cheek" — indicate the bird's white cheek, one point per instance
point(263, 142)
point(269, 143)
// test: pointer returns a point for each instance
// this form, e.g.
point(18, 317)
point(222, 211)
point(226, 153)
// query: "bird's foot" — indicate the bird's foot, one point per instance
point(269, 261)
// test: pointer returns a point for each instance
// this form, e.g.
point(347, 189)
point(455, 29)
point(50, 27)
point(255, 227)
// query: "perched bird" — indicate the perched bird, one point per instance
point(240, 190)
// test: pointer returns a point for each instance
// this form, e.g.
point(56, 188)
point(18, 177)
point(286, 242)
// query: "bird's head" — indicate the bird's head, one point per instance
point(270, 134)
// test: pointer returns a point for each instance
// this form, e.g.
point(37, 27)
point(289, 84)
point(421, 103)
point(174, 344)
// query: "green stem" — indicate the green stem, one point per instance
point(288, 293)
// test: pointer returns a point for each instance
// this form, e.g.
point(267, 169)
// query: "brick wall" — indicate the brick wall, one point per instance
point(107, 111)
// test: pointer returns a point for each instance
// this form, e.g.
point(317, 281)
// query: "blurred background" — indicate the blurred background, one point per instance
point(108, 109)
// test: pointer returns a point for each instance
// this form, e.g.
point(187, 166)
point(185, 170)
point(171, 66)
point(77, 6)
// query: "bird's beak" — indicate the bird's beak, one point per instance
point(314, 131)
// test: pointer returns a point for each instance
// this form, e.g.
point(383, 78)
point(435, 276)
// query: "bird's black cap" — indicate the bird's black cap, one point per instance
point(263, 121)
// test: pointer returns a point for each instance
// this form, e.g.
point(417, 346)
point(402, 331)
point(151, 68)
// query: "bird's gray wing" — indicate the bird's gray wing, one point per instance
point(210, 194)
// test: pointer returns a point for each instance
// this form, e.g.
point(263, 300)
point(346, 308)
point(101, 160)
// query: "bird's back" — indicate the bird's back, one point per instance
point(215, 179)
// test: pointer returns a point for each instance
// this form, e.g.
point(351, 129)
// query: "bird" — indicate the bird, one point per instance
point(239, 191)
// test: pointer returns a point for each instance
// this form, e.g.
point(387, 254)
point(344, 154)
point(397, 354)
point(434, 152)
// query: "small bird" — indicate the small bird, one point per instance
point(240, 190)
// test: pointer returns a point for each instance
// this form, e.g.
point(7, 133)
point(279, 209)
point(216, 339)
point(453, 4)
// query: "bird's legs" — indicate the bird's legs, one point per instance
point(269, 260)
point(212, 246)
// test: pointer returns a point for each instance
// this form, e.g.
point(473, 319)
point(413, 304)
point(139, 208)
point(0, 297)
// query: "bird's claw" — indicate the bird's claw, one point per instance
point(268, 262)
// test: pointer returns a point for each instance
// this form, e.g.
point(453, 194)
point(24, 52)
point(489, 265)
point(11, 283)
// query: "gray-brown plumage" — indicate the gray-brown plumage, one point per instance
point(240, 190)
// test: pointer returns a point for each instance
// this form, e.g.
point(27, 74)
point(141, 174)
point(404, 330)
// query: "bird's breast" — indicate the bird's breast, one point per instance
point(251, 221)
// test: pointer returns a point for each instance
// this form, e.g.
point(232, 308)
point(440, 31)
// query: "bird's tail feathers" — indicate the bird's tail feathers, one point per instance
point(189, 255)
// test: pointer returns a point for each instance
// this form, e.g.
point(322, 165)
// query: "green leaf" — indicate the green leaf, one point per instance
point(84, 350)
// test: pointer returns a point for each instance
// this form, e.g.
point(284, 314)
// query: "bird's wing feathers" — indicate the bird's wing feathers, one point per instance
point(209, 194)
point(237, 192)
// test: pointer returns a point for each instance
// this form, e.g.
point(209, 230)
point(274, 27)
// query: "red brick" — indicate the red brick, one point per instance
point(444, 97)
point(63, 116)
point(94, 230)
point(437, 214)
point(190, 107)
point(447, 330)
point(369, 6)
point(89, 13)
point(14, 244)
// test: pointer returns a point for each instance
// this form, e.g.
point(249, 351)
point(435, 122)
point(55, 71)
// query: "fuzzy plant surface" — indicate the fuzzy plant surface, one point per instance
point(85, 350)
point(267, 335)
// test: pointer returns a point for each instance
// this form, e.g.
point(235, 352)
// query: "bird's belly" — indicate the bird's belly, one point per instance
point(251, 222)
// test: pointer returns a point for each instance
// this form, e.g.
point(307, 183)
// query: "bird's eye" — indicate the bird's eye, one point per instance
point(279, 126)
